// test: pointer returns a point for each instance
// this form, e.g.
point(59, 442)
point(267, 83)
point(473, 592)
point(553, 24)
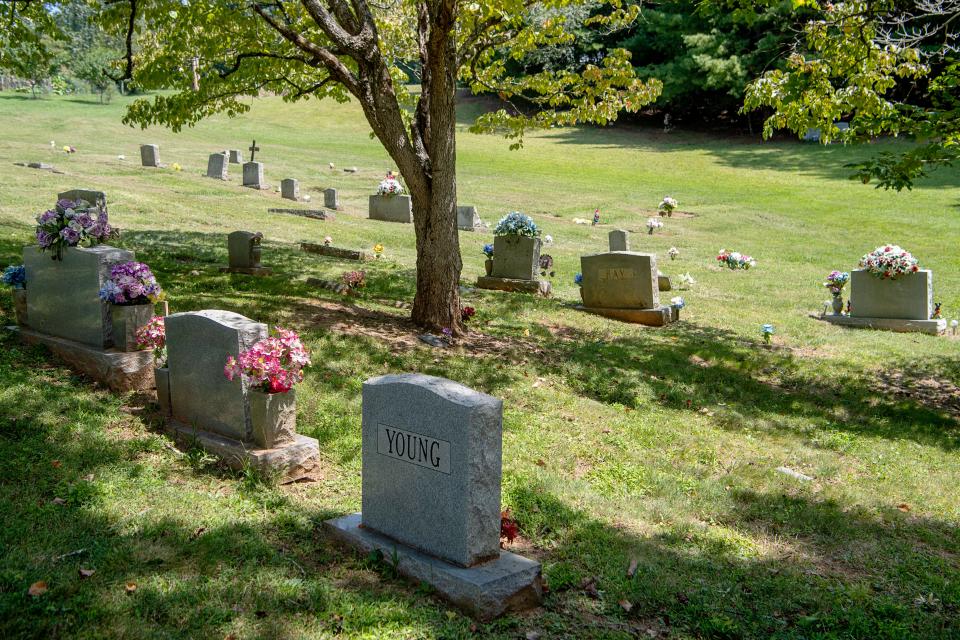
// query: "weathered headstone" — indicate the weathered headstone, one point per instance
point(516, 257)
point(398, 208)
point(290, 189)
point(150, 155)
point(217, 166)
point(330, 199)
point(244, 251)
point(909, 297)
point(431, 492)
point(620, 280)
point(619, 240)
point(236, 156)
point(467, 218)
point(253, 175)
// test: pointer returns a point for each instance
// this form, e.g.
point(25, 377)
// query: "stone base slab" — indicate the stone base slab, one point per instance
point(335, 252)
point(290, 461)
point(316, 214)
point(540, 287)
point(932, 327)
point(250, 271)
point(485, 591)
point(657, 317)
point(118, 370)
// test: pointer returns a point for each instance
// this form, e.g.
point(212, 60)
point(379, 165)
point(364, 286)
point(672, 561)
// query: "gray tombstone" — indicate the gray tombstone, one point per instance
point(908, 297)
point(290, 189)
point(391, 208)
point(467, 218)
point(619, 240)
point(243, 248)
point(150, 155)
point(63, 299)
point(330, 199)
point(98, 198)
point(198, 344)
point(217, 166)
point(516, 257)
point(620, 280)
point(253, 175)
point(236, 156)
point(812, 135)
point(431, 466)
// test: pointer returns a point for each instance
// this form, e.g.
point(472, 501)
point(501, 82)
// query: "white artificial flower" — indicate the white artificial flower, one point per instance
point(121, 157)
point(306, 198)
point(673, 252)
point(548, 240)
point(332, 166)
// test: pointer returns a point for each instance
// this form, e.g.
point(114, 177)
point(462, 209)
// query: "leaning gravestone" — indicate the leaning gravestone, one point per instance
point(150, 155)
point(467, 218)
point(244, 251)
point(253, 175)
point(330, 199)
point(290, 189)
point(624, 285)
point(619, 240)
point(217, 166)
point(431, 493)
point(236, 156)
point(214, 411)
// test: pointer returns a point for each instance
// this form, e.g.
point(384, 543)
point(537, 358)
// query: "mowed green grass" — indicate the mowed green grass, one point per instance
point(620, 442)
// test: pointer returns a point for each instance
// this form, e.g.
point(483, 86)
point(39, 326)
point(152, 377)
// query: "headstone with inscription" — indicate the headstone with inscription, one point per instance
point(619, 240)
point(330, 199)
point(217, 166)
point(624, 285)
point(290, 189)
point(150, 155)
point(253, 175)
point(431, 492)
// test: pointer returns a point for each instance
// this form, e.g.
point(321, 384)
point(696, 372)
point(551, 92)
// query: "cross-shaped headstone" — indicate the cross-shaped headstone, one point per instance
point(253, 149)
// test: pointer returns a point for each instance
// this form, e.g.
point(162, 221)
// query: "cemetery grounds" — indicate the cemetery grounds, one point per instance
point(641, 464)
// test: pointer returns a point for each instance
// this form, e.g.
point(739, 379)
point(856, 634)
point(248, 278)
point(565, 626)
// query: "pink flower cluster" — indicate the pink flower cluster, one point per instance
point(153, 336)
point(354, 279)
point(889, 262)
point(274, 364)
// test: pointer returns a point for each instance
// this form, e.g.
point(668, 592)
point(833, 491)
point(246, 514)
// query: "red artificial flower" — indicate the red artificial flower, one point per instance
point(509, 529)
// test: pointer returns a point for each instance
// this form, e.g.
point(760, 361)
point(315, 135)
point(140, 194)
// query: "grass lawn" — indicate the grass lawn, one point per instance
point(621, 443)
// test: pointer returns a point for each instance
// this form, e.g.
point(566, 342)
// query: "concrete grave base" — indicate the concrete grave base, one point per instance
point(250, 271)
point(336, 252)
point(118, 370)
point(291, 461)
point(658, 317)
point(932, 327)
point(484, 591)
point(540, 287)
point(316, 214)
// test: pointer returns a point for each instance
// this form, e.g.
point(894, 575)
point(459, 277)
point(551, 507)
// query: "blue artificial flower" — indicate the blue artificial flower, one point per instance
point(488, 250)
point(578, 279)
point(15, 275)
point(516, 224)
point(766, 329)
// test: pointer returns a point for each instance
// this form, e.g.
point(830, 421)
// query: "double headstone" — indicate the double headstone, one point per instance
point(431, 492)
point(236, 156)
point(150, 155)
point(217, 166)
point(253, 175)
point(290, 189)
point(330, 199)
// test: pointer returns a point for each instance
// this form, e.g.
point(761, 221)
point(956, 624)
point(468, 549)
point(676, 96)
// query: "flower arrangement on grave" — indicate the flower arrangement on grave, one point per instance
point(488, 263)
point(69, 223)
point(687, 281)
point(516, 224)
point(667, 206)
point(466, 313)
point(766, 330)
point(653, 224)
point(15, 276)
point(131, 283)
point(176, 166)
point(354, 279)
point(736, 260)
point(678, 302)
point(272, 365)
point(546, 265)
point(578, 279)
point(673, 252)
point(377, 250)
point(936, 310)
point(390, 186)
point(69, 149)
point(327, 241)
point(509, 528)
point(834, 283)
point(153, 336)
point(596, 217)
point(889, 262)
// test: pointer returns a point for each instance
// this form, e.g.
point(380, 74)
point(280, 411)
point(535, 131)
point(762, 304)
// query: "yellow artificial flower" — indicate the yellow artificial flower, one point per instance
point(175, 166)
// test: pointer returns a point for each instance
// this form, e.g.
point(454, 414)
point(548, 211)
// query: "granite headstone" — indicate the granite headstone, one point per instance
point(217, 166)
point(236, 156)
point(150, 155)
point(330, 199)
point(620, 280)
point(909, 297)
point(253, 175)
point(397, 208)
point(516, 257)
point(619, 240)
point(290, 189)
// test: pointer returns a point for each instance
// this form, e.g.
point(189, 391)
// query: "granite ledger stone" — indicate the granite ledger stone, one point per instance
point(432, 465)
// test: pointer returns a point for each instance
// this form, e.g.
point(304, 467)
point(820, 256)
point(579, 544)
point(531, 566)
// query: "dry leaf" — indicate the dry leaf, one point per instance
point(903, 506)
point(199, 532)
point(541, 463)
point(86, 573)
point(38, 588)
point(56, 464)
point(88, 477)
point(632, 569)
point(533, 635)
point(59, 501)
point(625, 605)
point(131, 587)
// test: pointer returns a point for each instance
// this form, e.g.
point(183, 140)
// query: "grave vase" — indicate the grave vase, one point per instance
point(20, 306)
point(837, 304)
point(162, 377)
point(126, 319)
point(488, 265)
point(273, 418)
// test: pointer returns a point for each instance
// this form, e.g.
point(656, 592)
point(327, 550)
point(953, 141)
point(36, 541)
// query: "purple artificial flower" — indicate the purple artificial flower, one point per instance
point(44, 239)
point(70, 236)
point(47, 216)
point(63, 203)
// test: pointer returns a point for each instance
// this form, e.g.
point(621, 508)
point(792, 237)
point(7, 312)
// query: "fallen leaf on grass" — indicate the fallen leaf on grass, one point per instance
point(38, 588)
point(632, 569)
point(903, 506)
point(199, 532)
point(86, 573)
point(533, 635)
point(625, 605)
point(589, 586)
point(451, 615)
point(59, 501)
point(130, 587)
point(56, 464)
point(88, 477)
point(540, 463)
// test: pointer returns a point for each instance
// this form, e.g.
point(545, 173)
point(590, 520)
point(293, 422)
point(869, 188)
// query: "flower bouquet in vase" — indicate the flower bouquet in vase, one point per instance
point(16, 277)
point(835, 282)
point(272, 367)
point(153, 336)
point(132, 290)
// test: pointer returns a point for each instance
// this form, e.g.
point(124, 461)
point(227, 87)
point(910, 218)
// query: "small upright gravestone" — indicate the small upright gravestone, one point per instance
point(253, 175)
point(217, 166)
point(236, 156)
point(290, 189)
point(516, 266)
point(619, 240)
point(330, 199)
point(467, 218)
point(244, 251)
point(150, 155)
point(214, 411)
point(624, 285)
point(431, 493)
